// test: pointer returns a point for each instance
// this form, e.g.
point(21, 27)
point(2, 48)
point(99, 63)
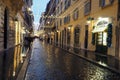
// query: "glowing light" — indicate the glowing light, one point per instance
point(103, 19)
point(88, 22)
point(29, 9)
point(57, 30)
point(100, 18)
point(105, 38)
point(48, 22)
point(14, 73)
point(69, 27)
point(101, 63)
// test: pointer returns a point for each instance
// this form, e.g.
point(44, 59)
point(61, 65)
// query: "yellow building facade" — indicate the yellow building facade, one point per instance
point(87, 24)
point(10, 38)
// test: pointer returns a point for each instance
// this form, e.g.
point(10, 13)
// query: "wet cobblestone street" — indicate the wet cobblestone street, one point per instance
point(50, 63)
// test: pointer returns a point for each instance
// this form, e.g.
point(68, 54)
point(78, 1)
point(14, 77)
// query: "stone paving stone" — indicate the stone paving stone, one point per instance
point(50, 63)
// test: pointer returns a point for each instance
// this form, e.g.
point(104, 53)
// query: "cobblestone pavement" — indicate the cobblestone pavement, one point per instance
point(50, 63)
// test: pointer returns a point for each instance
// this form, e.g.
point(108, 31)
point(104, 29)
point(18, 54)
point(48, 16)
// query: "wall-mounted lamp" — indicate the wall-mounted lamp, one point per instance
point(29, 9)
point(89, 19)
point(48, 22)
point(69, 27)
point(57, 30)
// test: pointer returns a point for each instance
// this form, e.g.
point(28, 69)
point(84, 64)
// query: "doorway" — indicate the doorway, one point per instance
point(68, 38)
point(117, 51)
point(86, 37)
point(101, 42)
point(76, 39)
point(6, 22)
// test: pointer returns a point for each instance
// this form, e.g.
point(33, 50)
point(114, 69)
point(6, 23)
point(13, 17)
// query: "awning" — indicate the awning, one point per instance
point(99, 29)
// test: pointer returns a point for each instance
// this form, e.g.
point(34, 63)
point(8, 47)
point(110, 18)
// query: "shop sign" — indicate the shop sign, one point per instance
point(101, 25)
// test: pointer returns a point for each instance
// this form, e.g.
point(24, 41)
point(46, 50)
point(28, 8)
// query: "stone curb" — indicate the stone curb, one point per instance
point(21, 75)
point(94, 62)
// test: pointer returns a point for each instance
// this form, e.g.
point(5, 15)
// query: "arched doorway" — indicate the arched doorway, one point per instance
point(6, 22)
point(76, 37)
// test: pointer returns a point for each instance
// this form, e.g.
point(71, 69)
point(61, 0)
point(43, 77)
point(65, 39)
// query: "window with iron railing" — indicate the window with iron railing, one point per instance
point(104, 3)
point(87, 7)
point(75, 14)
point(67, 4)
point(60, 22)
point(67, 19)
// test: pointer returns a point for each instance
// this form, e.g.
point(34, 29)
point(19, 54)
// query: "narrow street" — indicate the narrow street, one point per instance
point(50, 63)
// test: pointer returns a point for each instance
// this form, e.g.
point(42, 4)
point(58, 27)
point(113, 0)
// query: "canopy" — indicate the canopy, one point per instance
point(99, 29)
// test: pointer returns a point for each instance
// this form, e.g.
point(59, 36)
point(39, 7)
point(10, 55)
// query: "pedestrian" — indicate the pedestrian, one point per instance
point(28, 41)
point(48, 40)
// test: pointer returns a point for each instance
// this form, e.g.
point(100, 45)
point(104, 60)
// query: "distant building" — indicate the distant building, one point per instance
point(50, 15)
point(28, 14)
point(42, 21)
point(47, 20)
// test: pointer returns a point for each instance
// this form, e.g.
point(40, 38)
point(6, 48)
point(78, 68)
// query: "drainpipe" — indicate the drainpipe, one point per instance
point(117, 32)
point(118, 16)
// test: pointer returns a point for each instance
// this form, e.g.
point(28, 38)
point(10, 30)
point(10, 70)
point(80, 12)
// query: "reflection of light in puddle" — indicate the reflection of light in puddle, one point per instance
point(14, 73)
point(101, 63)
point(97, 73)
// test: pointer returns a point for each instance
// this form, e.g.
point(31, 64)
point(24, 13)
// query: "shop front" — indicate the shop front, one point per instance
point(102, 35)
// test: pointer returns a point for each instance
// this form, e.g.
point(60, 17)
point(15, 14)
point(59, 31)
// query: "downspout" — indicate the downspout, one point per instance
point(117, 31)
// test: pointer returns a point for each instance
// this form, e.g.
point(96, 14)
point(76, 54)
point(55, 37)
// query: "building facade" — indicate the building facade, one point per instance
point(41, 26)
point(49, 18)
point(28, 15)
point(14, 24)
point(8, 14)
point(88, 24)
point(8, 41)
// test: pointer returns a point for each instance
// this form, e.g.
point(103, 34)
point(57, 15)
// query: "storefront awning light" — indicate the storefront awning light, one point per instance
point(99, 29)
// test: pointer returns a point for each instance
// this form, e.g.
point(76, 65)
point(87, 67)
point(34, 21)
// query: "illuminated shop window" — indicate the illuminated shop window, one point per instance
point(102, 38)
point(105, 38)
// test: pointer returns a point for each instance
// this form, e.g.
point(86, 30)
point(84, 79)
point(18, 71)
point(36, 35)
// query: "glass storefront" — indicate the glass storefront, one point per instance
point(101, 34)
point(102, 38)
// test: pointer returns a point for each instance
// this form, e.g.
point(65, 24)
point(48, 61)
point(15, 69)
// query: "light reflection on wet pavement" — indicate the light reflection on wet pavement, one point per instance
point(50, 63)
